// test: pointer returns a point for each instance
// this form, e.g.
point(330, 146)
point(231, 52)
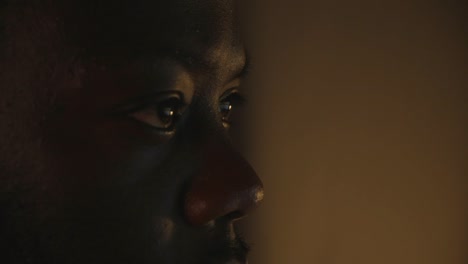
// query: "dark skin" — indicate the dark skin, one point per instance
point(114, 133)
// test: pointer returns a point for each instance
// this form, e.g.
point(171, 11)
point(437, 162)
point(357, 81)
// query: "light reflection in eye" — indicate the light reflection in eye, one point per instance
point(225, 109)
point(164, 111)
point(228, 104)
point(162, 114)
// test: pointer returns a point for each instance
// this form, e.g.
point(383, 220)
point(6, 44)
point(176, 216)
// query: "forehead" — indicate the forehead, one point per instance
point(197, 29)
point(200, 30)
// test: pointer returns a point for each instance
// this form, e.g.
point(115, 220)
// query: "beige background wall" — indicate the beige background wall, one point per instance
point(361, 131)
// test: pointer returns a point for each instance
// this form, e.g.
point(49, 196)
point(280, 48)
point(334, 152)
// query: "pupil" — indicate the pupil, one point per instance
point(166, 114)
point(226, 108)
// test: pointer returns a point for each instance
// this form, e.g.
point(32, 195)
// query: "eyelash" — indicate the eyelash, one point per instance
point(163, 113)
point(237, 98)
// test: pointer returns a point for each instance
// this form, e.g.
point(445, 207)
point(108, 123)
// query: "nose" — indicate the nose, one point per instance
point(224, 186)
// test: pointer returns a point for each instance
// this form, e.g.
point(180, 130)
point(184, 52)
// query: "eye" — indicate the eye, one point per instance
point(228, 104)
point(161, 114)
point(225, 110)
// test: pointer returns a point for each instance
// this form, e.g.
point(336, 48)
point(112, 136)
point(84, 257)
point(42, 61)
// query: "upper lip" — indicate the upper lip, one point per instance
point(236, 262)
point(228, 251)
point(232, 261)
point(234, 258)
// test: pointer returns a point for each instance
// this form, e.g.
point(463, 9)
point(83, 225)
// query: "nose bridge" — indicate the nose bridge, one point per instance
point(224, 186)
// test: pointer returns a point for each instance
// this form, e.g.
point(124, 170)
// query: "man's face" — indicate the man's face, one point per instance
point(114, 133)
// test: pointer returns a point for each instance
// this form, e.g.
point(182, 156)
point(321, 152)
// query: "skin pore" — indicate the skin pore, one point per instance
point(114, 132)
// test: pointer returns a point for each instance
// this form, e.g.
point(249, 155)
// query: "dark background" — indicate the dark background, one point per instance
point(360, 131)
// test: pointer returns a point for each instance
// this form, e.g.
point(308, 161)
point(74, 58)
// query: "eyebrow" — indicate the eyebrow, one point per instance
point(187, 57)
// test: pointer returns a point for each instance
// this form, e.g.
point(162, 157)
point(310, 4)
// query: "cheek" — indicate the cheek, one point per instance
point(112, 185)
point(118, 156)
point(106, 146)
point(113, 168)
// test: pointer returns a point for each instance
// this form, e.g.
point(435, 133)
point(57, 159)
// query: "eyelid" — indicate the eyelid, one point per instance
point(144, 101)
point(235, 95)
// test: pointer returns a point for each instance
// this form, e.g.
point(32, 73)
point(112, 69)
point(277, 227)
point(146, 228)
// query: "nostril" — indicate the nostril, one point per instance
point(225, 187)
point(236, 215)
point(205, 202)
point(251, 200)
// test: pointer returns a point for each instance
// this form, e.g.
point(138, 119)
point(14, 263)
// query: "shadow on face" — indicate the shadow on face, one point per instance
point(115, 120)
